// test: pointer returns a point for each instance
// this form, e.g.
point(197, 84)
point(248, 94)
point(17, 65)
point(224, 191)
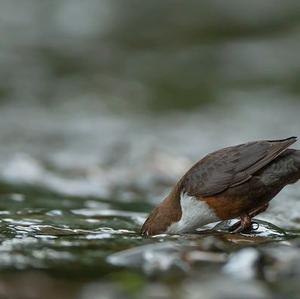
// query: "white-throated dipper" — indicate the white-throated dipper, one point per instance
point(234, 182)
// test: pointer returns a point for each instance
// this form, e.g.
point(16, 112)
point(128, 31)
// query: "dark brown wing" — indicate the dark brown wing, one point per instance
point(231, 166)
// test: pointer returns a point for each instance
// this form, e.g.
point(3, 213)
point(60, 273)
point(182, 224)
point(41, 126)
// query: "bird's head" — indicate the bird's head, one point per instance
point(167, 213)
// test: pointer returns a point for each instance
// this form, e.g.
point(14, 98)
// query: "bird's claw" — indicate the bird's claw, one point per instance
point(238, 227)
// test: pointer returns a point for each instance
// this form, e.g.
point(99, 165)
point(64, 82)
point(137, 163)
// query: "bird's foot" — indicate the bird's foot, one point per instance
point(244, 225)
point(238, 228)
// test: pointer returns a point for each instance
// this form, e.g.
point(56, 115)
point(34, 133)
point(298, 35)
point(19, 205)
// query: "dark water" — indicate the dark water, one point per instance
point(103, 106)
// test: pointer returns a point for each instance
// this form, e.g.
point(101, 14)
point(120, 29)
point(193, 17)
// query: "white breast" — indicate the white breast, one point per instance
point(195, 213)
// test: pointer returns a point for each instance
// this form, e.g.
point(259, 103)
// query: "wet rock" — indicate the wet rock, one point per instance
point(284, 262)
point(245, 264)
point(290, 268)
point(165, 257)
point(152, 259)
point(214, 243)
point(196, 256)
point(261, 228)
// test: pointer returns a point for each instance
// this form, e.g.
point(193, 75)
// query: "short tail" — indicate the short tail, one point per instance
point(289, 140)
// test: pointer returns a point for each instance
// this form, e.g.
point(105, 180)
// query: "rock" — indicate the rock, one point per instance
point(152, 259)
point(244, 265)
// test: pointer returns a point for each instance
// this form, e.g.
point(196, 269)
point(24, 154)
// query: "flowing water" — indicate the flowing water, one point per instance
point(71, 210)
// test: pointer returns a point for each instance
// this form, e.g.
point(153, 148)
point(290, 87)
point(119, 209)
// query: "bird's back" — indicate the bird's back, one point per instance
point(231, 166)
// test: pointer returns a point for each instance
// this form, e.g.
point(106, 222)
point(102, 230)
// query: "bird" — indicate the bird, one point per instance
point(234, 182)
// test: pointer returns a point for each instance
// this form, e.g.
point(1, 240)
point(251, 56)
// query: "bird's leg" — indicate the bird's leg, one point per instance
point(258, 210)
point(243, 224)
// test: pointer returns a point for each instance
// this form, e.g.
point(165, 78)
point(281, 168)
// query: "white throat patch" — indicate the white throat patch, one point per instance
point(195, 213)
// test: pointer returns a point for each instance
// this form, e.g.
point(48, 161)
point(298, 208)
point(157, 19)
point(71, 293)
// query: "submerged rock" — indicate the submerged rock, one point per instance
point(164, 257)
point(153, 258)
point(245, 264)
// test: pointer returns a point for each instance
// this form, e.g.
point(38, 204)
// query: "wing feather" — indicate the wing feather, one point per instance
point(231, 166)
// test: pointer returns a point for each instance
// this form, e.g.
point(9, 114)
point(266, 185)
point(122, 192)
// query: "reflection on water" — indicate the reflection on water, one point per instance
point(103, 106)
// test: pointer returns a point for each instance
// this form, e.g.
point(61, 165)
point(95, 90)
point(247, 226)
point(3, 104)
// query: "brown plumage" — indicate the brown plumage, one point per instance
point(236, 181)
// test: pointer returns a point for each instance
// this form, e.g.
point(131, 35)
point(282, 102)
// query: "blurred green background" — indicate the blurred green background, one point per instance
point(157, 55)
